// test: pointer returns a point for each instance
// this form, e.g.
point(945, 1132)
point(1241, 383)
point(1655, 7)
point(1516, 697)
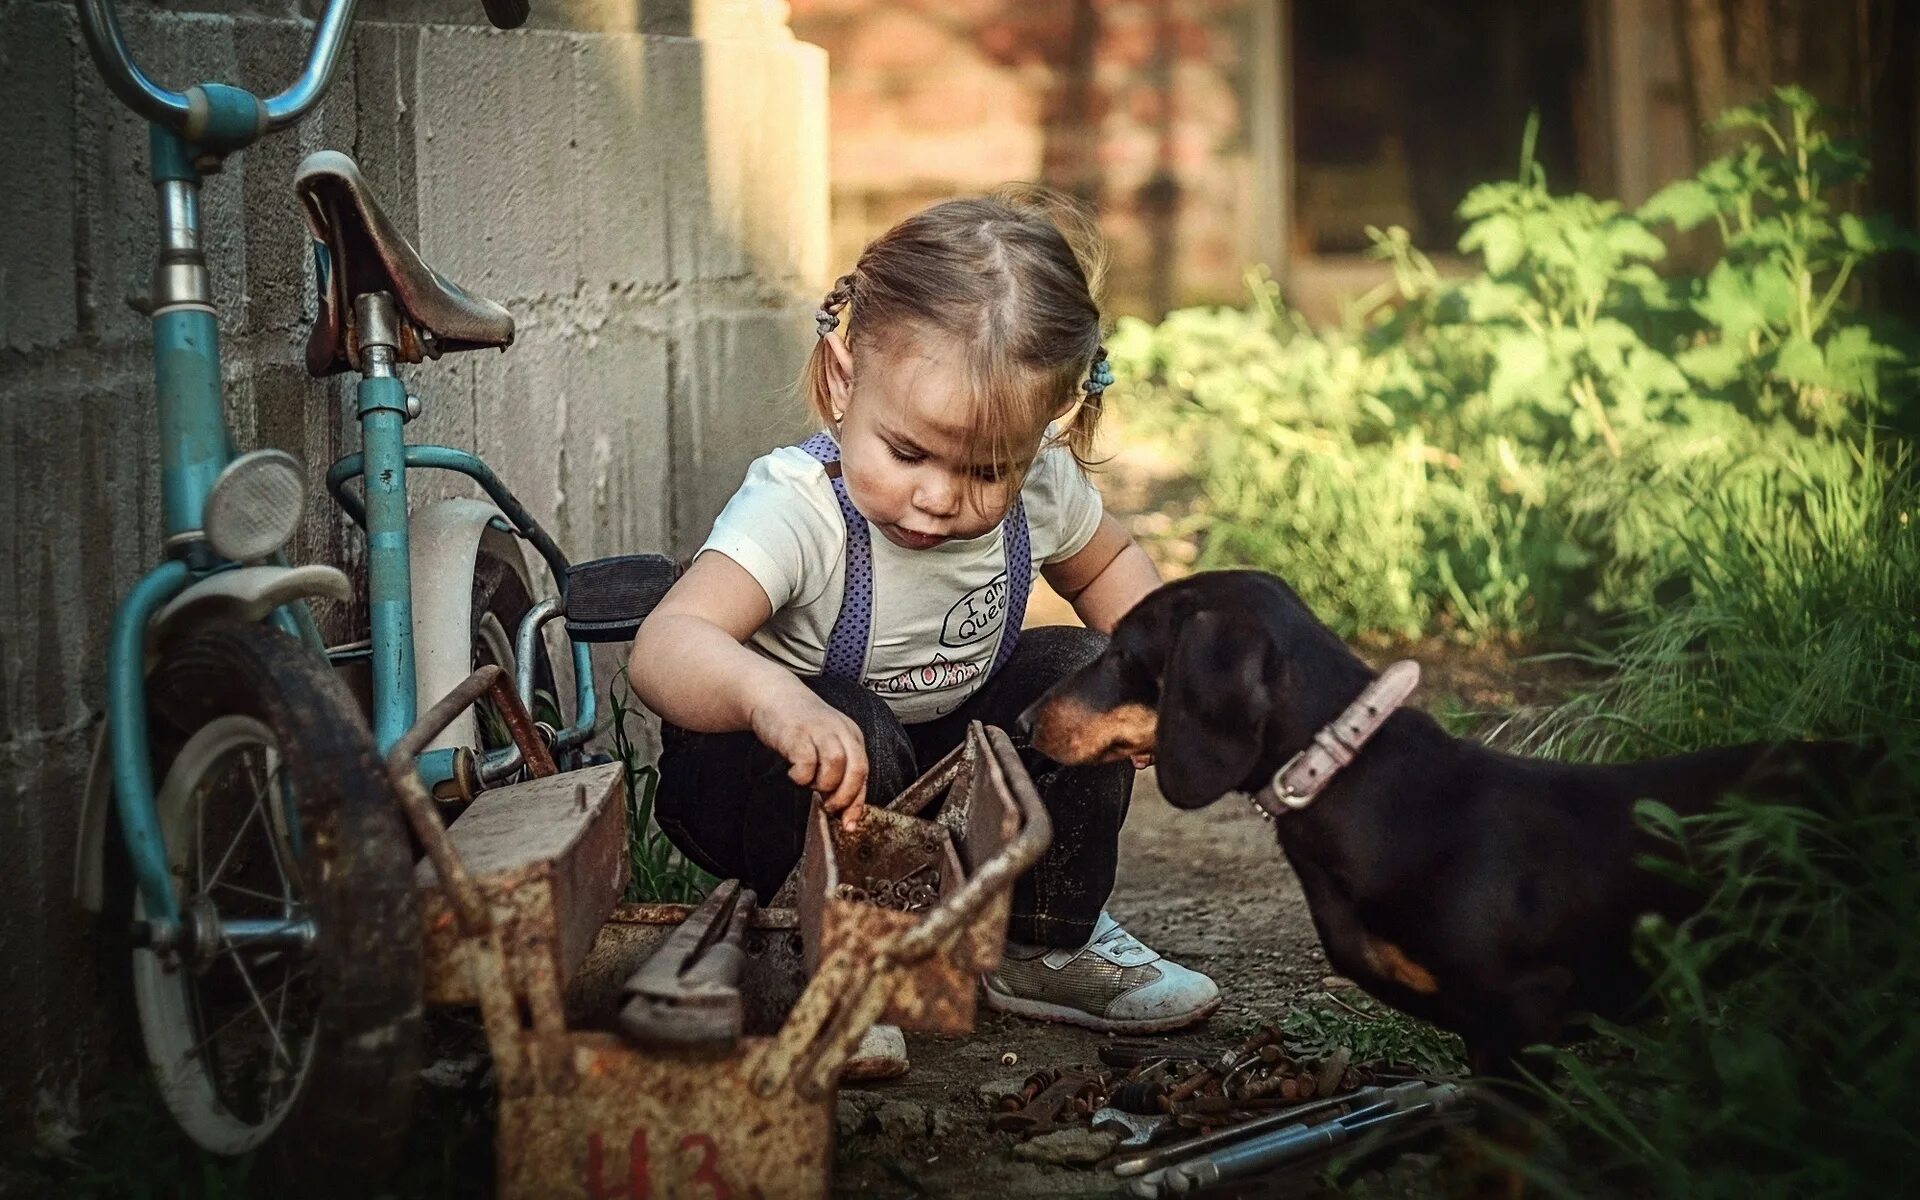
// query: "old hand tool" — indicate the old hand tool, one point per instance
point(687, 995)
point(1404, 1104)
point(1136, 1131)
point(1294, 1115)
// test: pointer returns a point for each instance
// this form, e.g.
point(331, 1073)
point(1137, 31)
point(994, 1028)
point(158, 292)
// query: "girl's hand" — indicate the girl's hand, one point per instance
point(824, 747)
point(1142, 761)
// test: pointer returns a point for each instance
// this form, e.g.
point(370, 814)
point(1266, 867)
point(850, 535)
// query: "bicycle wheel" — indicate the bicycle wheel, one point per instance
point(285, 1017)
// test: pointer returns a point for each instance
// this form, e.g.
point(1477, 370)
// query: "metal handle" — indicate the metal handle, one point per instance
point(172, 109)
point(462, 892)
point(945, 920)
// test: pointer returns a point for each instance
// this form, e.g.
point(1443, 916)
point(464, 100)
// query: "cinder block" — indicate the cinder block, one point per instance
point(52, 977)
point(38, 58)
point(674, 75)
point(765, 119)
point(520, 422)
point(386, 60)
point(731, 90)
point(279, 268)
point(118, 204)
point(84, 484)
point(494, 118)
point(734, 400)
point(624, 134)
point(617, 464)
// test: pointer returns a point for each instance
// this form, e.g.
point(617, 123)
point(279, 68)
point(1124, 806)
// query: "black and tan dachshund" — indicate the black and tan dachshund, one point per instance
point(1490, 894)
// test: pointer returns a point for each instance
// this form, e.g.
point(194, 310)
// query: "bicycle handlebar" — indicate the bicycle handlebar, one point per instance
point(176, 110)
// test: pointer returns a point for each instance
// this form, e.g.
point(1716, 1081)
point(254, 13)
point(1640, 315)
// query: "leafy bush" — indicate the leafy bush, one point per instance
point(1530, 444)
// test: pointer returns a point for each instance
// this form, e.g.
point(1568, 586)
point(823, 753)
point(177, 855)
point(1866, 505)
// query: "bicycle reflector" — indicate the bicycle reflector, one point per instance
point(255, 505)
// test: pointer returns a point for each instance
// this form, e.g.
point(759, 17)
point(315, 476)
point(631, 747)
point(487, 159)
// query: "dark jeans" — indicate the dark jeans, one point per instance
point(726, 802)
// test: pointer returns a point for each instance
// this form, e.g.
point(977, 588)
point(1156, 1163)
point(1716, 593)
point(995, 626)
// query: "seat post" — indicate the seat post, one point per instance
point(383, 414)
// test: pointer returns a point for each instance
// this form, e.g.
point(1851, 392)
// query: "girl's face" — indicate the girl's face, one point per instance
point(903, 435)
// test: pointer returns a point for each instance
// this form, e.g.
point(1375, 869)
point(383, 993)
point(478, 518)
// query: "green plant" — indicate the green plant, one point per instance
point(658, 872)
point(1372, 1032)
point(1773, 325)
point(1530, 445)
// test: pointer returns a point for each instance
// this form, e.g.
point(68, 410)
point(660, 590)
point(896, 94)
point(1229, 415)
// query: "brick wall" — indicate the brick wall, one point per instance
point(1135, 105)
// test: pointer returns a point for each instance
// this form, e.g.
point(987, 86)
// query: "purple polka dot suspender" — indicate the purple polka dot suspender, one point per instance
point(852, 634)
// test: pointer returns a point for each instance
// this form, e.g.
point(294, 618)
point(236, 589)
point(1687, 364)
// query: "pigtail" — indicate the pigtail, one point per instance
point(826, 319)
point(1078, 425)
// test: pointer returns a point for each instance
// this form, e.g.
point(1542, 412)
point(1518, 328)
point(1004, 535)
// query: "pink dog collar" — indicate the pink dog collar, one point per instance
point(1307, 773)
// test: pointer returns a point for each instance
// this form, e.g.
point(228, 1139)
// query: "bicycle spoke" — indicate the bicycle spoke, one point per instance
point(246, 977)
point(280, 1019)
point(234, 844)
point(284, 985)
point(273, 828)
point(253, 893)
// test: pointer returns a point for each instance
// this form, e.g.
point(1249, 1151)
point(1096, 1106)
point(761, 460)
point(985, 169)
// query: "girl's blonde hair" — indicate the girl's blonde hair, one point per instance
point(1012, 278)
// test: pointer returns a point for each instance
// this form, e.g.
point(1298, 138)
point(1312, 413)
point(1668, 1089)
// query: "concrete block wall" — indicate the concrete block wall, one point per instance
point(641, 181)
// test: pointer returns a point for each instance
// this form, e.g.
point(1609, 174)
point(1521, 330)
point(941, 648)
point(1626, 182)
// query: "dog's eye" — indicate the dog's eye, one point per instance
point(1133, 672)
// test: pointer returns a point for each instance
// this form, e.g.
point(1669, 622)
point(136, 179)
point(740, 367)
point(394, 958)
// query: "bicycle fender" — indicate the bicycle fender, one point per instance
point(443, 542)
point(246, 594)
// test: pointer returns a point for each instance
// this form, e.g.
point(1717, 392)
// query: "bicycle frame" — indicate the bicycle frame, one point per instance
point(190, 135)
point(195, 446)
point(382, 466)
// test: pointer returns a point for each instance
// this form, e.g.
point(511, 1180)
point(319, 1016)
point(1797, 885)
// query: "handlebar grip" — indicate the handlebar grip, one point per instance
point(507, 14)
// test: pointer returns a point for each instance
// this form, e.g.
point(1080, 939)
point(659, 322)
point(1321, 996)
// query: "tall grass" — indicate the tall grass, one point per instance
point(1785, 1057)
point(657, 871)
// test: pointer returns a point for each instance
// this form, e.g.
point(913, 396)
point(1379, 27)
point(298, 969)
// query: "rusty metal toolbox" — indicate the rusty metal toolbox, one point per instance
point(585, 1112)
point(990, 813)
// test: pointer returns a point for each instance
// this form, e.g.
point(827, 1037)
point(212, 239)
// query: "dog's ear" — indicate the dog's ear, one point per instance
point(1214, 703)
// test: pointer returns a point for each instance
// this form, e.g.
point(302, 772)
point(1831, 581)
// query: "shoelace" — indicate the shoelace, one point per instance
point(1119, 941)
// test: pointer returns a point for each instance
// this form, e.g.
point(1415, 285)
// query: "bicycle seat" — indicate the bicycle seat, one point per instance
point(357, 251)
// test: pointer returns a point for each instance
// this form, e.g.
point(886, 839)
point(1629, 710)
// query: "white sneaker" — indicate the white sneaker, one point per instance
point(882, 1055)
point(1112, 984)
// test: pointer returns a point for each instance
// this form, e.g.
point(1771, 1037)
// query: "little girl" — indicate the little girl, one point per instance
point(859, 601)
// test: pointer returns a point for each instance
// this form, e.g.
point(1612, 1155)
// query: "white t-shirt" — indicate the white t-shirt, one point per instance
point(937, 613)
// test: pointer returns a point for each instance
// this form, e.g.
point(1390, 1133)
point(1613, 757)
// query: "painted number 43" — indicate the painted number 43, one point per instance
point(705, 1181)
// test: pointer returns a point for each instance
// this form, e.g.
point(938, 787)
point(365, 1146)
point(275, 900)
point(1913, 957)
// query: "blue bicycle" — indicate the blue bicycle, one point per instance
point(276, 952)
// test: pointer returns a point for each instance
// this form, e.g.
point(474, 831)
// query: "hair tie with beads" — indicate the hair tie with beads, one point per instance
point(827, 318)
point(1099, 376)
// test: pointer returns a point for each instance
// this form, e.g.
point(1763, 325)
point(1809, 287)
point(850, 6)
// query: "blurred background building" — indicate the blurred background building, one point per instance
point(1213, 134)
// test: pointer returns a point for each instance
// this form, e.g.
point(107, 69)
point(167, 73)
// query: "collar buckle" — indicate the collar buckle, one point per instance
point(1288, 798)
point(1286, 795)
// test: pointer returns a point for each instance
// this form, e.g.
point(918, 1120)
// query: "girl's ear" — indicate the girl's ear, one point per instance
point(839, 373)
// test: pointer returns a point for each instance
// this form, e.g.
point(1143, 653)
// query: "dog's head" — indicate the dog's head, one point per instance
point(1194, 675)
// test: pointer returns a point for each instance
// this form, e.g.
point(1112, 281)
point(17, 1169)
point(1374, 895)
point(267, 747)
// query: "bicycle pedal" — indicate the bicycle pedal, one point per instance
point(609, 597)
